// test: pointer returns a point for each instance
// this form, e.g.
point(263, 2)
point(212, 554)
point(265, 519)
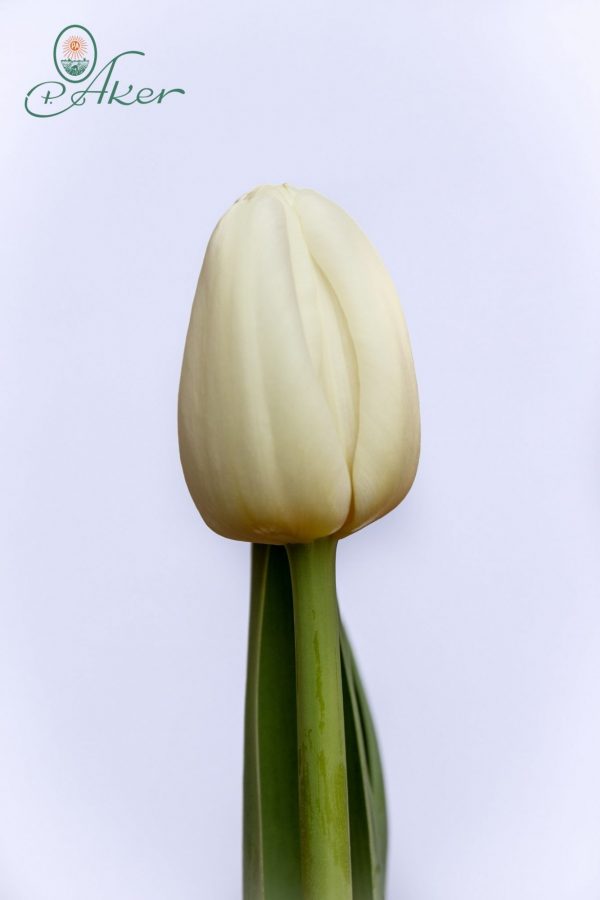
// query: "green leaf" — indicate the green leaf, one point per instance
point(366, 790)
point(271, 815)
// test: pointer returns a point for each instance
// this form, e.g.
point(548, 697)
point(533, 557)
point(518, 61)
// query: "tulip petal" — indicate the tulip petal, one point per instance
point(328, 338)
point(387, 446)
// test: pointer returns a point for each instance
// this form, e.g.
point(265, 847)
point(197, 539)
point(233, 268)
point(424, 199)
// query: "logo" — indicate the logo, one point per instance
point(75, 53)
point(75, 56)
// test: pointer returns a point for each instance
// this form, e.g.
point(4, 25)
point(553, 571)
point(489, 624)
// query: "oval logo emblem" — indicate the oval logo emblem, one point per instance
point(75, 53)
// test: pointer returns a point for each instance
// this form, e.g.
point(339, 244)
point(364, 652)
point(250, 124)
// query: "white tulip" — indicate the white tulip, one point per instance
point(298, 404)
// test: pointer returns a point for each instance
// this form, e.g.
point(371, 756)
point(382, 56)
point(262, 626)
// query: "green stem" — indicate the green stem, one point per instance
point(323, 789)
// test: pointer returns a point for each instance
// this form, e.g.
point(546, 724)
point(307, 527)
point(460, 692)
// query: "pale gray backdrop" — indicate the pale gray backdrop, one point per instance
point(464, 137)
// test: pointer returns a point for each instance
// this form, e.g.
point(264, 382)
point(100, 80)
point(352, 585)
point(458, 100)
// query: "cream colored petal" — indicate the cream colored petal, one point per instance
point(259, 448)
point(328, 339)
point(388, 440)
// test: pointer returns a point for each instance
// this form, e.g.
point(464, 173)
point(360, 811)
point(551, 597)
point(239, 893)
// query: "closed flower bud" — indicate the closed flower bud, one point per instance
point(298, 405)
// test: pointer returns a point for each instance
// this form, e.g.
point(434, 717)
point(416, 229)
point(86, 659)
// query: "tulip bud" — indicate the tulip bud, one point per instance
point(298, 405)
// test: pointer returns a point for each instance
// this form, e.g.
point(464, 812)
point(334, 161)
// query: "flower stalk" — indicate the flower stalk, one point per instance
point(323, 787)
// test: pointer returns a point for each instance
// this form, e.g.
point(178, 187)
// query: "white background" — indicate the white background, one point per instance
point(464, 137)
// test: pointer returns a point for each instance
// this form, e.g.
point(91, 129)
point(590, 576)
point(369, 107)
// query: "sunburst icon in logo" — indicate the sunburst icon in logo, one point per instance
point(74, 54)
